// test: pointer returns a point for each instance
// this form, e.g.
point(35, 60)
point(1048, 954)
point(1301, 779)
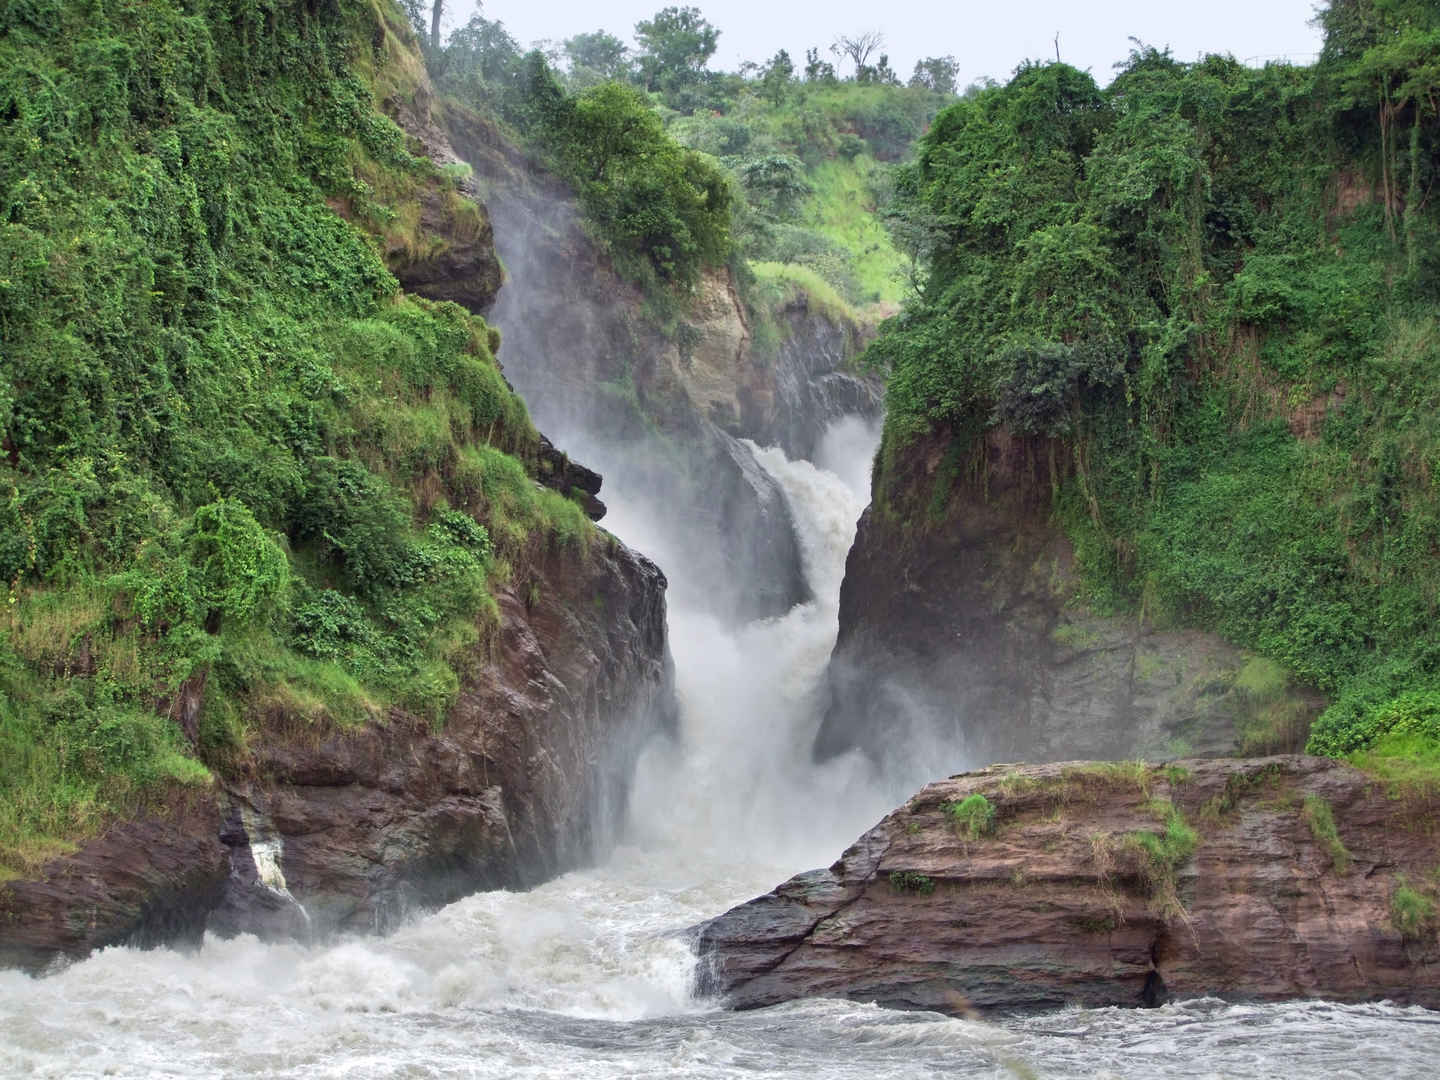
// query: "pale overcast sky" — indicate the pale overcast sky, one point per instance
point(989, 39)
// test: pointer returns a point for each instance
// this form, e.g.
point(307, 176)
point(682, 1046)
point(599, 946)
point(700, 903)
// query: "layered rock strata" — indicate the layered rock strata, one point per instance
point(330, 829)
point(1063, 900)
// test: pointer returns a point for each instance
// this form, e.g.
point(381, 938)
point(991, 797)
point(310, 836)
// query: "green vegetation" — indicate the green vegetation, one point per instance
point(1208, 298)
point(1412, 913)
point(1162, 853)
point(1408, 765)
point(680, 169)
point(240, 467)
point(1321, 819)
point(908, 881)
point(974, 813)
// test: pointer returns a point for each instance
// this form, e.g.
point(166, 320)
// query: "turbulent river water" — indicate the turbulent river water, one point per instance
point(589, 975)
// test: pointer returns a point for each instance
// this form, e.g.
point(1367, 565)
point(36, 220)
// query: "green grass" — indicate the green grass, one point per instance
point(1408, 765)
point(843, 209)
point(1412, 913)
point(1321, 819)
point(780, 283)
point(1162, 853)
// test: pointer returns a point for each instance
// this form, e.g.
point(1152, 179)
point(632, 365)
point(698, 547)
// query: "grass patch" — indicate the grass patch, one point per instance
point(1321, 819)
point(1262, 680)
point(1412, 913)
point(843, 210)
point(1408, 765)
point(1112, 775)
point(1161, 854)
point(777, 284)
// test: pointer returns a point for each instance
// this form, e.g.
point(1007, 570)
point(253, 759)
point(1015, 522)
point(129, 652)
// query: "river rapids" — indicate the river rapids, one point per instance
point(590, 974)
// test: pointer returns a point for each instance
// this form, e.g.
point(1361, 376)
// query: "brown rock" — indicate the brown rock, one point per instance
point(961, 607)
point(150, 879)
point(524, 781)
point(1059, 905)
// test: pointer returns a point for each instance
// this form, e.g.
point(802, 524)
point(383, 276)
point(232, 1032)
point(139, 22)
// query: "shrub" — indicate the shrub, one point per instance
point(975, 814)
point(908, 881)
point(1412, 913)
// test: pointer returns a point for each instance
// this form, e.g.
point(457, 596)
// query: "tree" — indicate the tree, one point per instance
point(776, 77)
point(817, 70)
point(674, 47)
point(597, 57)
point(436, 11)
point(481, 47)
point(882, 74)
point(858, 48)
point(939, 74)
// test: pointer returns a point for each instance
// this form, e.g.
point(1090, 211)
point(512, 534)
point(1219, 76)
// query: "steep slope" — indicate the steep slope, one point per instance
point(291, 616)
point(587, 348)
point(1171, 369)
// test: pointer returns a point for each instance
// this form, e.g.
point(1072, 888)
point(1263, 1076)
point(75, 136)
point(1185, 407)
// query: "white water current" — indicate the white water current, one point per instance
point(588, 975)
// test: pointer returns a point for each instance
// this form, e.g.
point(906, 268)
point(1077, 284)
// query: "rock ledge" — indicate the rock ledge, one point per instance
point(1061, 903)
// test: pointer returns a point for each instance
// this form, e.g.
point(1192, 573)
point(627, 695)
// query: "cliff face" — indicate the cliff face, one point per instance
point(961, 604)
point(1064, 899)
point(663, 411)
point(313, 827)
point(525, 780)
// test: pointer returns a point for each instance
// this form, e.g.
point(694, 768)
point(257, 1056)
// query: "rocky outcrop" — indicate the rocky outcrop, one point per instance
point(153, 878)
point(1084, 890)
point(449, 254)
point(332, 829)
point(814, 379)
point(961, 604)
point(661, 412)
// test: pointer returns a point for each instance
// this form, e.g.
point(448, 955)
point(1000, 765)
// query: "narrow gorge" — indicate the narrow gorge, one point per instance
point(568, 562)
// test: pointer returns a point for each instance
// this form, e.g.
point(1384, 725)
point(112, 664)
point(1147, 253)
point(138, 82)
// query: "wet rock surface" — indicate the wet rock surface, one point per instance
point(148, 880)
point(965, 636)
point(582, 349)
point(359, 826)
point(1059, 904)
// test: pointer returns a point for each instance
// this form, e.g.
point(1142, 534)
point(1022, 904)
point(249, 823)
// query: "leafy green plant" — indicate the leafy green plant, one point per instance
point(1412, 913)
point(908, 881)
point(974, 813)
point(1162, 853)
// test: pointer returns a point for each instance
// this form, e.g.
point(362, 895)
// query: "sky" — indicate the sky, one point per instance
point(988, 38)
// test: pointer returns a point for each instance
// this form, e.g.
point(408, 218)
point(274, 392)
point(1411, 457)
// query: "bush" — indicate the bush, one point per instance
point(975, 814)
point(1411, 913)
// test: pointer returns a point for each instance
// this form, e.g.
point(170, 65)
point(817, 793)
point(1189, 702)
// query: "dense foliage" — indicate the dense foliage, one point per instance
point(1213, 292)
point(237, 461)
point(679, 168)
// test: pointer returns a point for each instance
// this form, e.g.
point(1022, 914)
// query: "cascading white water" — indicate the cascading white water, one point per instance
point(589, 975)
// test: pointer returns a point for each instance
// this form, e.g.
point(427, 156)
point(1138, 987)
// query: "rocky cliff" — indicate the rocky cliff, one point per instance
point(524, 780)
point(662, 410)
point(961, 604)
point(312, 825)
point(1098, 885)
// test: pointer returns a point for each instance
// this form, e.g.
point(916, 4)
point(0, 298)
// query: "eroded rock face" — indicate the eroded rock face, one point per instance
point(662, 413)
point(526, 779)
point(1059, 904)
point(455, 258)
point(152, 879)
point(961, 606)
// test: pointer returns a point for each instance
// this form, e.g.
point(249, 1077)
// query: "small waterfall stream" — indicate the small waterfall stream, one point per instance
point(589, 975)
